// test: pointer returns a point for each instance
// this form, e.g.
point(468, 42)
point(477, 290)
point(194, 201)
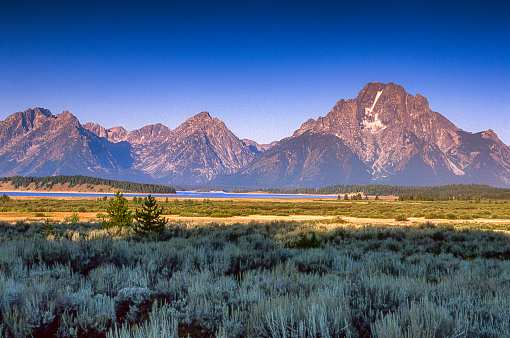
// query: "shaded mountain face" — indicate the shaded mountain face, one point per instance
point(395, 135)
point(312, 159)
point(256, 147)
point(35, 142)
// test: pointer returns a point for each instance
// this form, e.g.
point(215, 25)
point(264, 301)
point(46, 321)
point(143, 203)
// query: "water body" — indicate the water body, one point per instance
point(185, 194)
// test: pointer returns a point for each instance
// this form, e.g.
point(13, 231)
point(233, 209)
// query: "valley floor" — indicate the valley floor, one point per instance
point(486, 214)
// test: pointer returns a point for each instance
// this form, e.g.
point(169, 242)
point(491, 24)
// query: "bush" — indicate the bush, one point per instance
point(129, 303)
point(73, 218)
point(427, 225)
point(401, 218)
point(307, 242)
point(4, 198)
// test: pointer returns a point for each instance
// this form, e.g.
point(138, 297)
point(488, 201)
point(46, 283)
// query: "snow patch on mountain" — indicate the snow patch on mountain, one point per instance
point(371, 122)
point(454, 168)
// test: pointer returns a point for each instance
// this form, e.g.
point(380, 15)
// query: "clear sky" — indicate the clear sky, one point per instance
point(263, 67)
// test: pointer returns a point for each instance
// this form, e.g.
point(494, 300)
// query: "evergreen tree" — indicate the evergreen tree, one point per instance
point(4, 198)
point(118, 211)
point(148, 218)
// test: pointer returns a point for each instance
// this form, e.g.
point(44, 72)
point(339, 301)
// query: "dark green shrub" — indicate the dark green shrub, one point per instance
point(427, 225)
point(73, 218)
point(4, 198)
point(305, 242)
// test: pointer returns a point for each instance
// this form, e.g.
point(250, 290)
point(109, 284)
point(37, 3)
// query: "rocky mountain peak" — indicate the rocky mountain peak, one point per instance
point(202, 121)
point(119, 133)
point(392, 137)
point(26, 121)
point(39, 111)
point(35, 142)
point(370, 90)
point(204, 115)
point(150, 133)
point(309, 124)
point(32, 114)
point(200, 118)
point(196, 151)
point(96, 129)
point(490, 134)
point(68, 118)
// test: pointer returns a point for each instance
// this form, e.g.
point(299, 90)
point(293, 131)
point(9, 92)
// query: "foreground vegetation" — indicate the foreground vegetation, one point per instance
point(278, 279)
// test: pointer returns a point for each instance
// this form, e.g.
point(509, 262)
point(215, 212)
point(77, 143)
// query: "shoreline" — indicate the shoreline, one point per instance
point(178, 194)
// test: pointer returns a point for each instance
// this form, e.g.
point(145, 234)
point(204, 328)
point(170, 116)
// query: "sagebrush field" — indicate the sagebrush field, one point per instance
point(327, 278)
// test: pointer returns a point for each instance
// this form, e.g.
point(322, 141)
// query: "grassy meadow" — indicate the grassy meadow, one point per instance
point(445, 272)
point(40, 208)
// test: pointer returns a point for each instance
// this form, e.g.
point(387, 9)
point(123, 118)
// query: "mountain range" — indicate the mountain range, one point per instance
point(383, 136)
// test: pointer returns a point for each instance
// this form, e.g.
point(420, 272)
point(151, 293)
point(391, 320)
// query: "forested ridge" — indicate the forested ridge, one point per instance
point(463, 191)
point(49, 181)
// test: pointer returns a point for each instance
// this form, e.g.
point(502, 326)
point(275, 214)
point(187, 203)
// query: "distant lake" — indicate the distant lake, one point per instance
point(186, 194)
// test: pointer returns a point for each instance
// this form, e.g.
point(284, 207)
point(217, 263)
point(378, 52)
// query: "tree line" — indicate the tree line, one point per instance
point(49, 181)
point(444, 192)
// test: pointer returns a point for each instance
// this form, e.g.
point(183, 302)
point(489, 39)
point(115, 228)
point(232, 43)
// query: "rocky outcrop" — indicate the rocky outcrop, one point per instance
point(145, 135)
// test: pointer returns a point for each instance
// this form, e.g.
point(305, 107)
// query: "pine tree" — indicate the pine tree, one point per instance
point(148, 218)
point(119, 214)
point(4, 198)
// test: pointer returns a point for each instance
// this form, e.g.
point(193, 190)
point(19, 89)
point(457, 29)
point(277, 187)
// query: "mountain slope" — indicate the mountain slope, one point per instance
point(200, 149)
point(396, 136)
point(383, 136)
point(312, 159)
point(35, 142)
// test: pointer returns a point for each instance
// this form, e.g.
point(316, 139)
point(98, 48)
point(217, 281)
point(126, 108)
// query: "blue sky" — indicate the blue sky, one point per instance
point(263, 67)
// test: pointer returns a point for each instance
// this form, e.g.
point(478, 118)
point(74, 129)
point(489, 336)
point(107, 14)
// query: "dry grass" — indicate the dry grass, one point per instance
point(92, 217)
